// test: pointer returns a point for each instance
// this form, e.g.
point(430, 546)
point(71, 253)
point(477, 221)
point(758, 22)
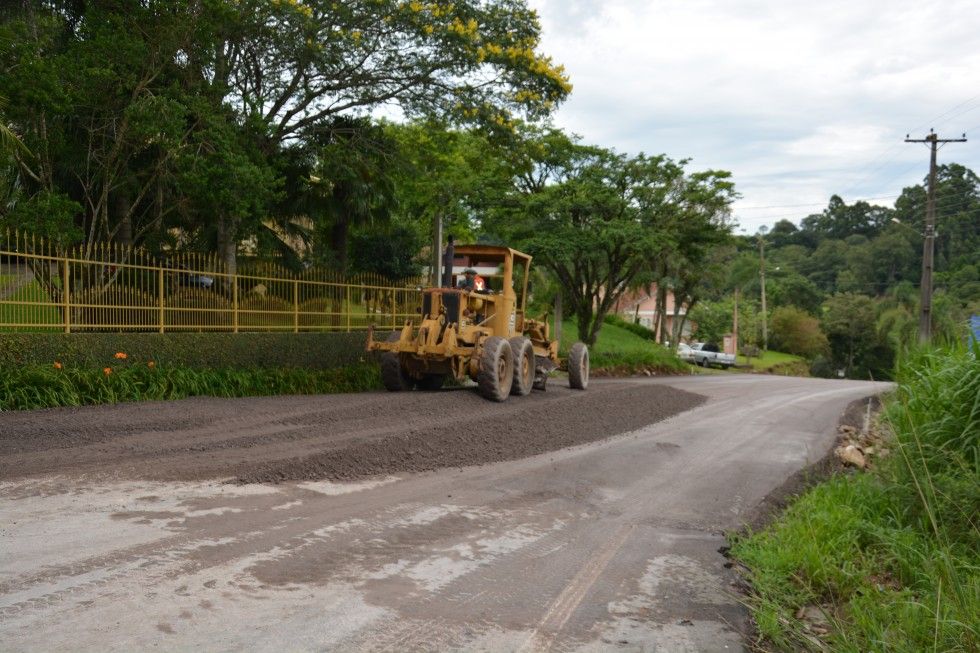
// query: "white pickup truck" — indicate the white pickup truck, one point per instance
point(708, 354)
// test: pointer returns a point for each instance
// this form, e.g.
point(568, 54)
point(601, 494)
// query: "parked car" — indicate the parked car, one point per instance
point(707, 354)
point(685, 352)
point(185, 277)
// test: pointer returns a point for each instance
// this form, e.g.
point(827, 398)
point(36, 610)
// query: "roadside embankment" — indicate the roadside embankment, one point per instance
point(883, 559)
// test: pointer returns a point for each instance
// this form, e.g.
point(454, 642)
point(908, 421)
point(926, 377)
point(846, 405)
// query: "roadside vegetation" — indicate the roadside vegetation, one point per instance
point(888, 559)
point(776, 362)
point(623, 349)
point(122, 379)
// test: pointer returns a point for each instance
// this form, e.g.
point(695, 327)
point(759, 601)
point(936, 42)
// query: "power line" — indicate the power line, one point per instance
point(794, 206)
point(895, 147)
point(933, 121)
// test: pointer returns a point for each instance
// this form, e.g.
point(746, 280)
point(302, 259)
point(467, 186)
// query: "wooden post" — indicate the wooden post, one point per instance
point(295, 305)
point(65, 284)
point(160, 282)
point(347, 311)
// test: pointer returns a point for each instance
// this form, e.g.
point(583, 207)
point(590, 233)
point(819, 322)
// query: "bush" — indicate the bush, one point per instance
point(796, 332)
point(35, 386)
point(192, 350)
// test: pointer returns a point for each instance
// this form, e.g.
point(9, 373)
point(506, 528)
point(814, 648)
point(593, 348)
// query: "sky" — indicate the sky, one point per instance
point(799, 100)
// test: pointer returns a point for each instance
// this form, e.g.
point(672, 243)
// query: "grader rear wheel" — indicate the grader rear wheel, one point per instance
point(523, 352)
point(496, 373)
point(578, 366)
point(394, 377)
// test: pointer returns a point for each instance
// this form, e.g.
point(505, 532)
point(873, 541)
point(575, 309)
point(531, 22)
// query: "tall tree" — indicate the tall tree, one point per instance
point(597, 220)
point(112, 95)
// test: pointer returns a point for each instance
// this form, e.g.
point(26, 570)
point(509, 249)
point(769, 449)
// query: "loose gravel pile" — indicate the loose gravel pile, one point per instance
point(339, 437)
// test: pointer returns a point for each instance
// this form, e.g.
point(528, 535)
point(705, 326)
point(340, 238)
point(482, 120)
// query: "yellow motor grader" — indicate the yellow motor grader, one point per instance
point(478, 331)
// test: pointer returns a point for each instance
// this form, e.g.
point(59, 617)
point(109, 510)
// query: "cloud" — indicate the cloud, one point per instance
point(800, 100)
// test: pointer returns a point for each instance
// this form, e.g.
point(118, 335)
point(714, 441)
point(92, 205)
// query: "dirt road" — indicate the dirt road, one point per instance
point(118, 530)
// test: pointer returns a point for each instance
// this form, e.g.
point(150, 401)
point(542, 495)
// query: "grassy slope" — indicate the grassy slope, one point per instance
point(620, 350)
point(27, 314)
point(775, 362)
point(891, 556)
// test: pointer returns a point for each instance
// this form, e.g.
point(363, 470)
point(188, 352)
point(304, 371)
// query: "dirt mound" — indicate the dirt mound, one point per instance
point(275, 439)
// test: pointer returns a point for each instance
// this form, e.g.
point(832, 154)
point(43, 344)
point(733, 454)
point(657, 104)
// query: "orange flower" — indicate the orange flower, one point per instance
point(57, 365)
point(151, 364)
point(120, 355)
point(107, 371)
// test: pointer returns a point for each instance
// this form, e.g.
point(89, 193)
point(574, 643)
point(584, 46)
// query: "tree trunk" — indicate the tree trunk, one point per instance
point(661, 312)
point(338, 241)
point(228, 245)
point(675, 335)
point(122, 209)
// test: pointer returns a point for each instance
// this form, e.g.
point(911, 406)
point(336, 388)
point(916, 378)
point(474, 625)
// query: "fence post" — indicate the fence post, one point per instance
point(65, 284)
point(347, 311)
point(160, 282)
point(295, 305)
point(234, 303)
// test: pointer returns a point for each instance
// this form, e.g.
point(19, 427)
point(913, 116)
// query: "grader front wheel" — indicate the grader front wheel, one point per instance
point(496, 370)
point(393, 375)
point(578, 366)
point(523, 352)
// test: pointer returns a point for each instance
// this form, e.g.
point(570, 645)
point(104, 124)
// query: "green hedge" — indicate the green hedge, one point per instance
point(35, 386)
point(633, 327)
point(191, 350)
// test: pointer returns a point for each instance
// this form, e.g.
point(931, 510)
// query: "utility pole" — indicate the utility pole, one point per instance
point(928, 243)
point(762, 281)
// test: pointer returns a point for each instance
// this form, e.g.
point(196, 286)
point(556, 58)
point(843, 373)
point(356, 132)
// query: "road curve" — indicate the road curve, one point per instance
point(608, 545)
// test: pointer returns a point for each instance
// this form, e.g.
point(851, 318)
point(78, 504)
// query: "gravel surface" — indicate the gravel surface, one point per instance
point(274, 439)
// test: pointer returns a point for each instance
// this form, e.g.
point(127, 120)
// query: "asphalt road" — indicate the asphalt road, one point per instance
point(610, 545)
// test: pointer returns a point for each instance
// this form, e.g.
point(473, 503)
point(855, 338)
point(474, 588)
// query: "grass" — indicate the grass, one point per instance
point(31, 387)
point(26, 314)
point(891, 556)
point(621, 351)
point(775, 362)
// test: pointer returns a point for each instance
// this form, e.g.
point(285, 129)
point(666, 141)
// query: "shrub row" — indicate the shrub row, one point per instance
point(317, 351)
point(35, 386)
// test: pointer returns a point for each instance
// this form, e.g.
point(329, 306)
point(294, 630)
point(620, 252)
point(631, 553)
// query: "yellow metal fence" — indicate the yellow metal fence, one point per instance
point(114, 288)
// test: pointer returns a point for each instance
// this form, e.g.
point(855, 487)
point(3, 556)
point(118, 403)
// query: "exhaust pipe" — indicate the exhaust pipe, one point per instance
point(447, 262)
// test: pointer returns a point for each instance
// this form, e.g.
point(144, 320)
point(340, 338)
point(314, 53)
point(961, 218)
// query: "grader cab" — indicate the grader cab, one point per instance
point(479, 333)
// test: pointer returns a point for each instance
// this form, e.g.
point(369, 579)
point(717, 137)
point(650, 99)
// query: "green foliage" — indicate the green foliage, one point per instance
point(389, 251)
point(152, 117)
point(31, 387)
point(890, 555)
point(598, 220)
point(795, 332)
point(315, 351)
point(620, 351)
point(632, 327)
point(850, 324)
point(713, 319)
